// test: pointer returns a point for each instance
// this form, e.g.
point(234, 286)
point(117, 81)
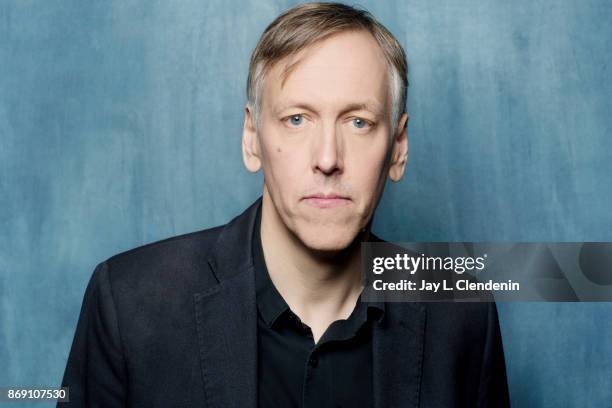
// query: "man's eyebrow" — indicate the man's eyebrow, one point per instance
point(299, 105)
point(373, 107)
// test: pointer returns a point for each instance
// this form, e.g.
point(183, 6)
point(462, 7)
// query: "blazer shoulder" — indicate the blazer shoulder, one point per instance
point(181, 261)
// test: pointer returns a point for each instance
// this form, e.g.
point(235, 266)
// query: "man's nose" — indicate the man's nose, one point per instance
point(328, 151)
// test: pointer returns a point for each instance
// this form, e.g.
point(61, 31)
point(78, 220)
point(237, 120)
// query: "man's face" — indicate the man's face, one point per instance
point(323, 139)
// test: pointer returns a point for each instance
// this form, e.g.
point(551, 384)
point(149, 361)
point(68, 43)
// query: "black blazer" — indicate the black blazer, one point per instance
point(173, 324)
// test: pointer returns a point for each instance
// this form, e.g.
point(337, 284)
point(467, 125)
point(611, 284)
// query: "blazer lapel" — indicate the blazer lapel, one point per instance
point(397, 345)
point(226, 319)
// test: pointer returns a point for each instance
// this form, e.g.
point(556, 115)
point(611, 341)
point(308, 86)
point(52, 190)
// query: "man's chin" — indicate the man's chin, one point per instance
point(326, 240)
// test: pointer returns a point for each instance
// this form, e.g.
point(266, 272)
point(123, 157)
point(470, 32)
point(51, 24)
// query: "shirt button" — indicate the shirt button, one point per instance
point(313, 361)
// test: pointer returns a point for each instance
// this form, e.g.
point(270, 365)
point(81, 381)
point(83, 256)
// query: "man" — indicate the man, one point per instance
point(265, 311)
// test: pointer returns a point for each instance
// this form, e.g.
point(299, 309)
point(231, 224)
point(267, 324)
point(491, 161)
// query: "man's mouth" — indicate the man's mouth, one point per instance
point(326, 200)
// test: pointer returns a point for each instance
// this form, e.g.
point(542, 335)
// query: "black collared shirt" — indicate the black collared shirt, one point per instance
point(293, 371)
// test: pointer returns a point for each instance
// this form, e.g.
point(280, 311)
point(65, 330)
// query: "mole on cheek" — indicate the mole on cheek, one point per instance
point(278, 149)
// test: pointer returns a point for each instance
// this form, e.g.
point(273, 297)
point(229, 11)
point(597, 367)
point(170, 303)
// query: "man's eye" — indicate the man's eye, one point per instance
point(360, 123)
point(295, 120)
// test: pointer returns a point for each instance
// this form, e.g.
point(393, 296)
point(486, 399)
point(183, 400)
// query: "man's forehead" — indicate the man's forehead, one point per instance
point(291, 62)
point(367, 79)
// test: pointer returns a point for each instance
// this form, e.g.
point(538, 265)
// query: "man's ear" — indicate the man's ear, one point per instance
point(399, 154)
point(250, 142)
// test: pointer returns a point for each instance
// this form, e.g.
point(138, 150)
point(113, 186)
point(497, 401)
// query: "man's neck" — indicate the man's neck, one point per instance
point(318, 287)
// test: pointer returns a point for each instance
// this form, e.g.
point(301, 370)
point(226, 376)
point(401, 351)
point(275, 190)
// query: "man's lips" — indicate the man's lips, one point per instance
point(326, 200)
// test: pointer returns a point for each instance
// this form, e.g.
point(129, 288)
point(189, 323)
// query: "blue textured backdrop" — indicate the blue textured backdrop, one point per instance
point(120, 124)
